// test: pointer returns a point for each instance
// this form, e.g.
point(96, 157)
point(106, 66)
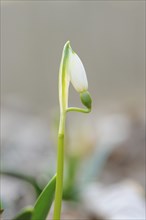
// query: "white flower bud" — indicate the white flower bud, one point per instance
point(77, 73)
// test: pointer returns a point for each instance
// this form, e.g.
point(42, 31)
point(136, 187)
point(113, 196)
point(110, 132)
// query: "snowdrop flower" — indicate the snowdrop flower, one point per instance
point(77, 76)
point(72, 71)
point(77, 73)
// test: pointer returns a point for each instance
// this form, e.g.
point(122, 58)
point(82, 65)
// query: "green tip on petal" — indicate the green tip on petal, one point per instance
point(86, 99)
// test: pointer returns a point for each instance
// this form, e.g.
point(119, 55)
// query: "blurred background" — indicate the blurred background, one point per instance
point(105, 152)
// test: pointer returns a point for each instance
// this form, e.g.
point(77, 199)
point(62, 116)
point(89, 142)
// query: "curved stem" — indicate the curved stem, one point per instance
point(78, 110)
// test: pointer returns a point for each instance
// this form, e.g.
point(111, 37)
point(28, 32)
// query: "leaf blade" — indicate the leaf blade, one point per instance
point(44, 201)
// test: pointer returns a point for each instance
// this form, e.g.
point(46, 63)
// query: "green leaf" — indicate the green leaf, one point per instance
point(24, 177)
point(25, 214)
point(44, 202)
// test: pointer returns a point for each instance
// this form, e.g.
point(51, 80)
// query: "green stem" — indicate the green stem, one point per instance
point(60, 168)
point(78, 110)
point(63, 100)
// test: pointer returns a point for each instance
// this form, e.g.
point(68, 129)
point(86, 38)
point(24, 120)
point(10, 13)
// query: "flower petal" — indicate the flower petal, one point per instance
point(77, 73)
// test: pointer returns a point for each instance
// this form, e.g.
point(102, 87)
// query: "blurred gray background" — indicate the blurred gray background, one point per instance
point(107, 35)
